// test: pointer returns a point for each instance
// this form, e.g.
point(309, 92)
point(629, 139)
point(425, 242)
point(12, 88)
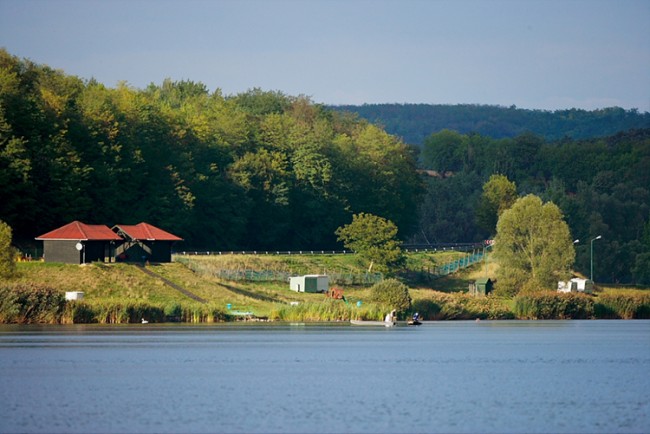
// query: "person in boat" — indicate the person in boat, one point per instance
point(391, 317)
point(415, 320)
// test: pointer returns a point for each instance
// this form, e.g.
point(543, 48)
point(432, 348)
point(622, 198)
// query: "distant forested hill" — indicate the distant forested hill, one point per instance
point(414, 122)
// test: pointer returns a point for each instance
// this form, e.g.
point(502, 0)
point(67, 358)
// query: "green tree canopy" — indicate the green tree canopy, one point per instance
point(214, 169)
point(391, 293)
point(373, 238)
point(7, 252)
point(499, 194)
point(533, 246)
point(445, 151)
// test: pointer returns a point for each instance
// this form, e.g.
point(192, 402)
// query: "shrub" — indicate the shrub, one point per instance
point(30, 304)
point(327, 310)
point(133, 311)
point(7, 252)
point(391, 293)
point(552, 305)
point(78, 312)
point(173, 312)
point(458, 306)
point(9, 307)
point(622, 306)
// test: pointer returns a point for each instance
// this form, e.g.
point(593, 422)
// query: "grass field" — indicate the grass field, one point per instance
point(108, 285)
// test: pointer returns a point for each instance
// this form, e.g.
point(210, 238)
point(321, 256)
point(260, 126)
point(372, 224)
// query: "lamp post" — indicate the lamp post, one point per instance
point(592, 256)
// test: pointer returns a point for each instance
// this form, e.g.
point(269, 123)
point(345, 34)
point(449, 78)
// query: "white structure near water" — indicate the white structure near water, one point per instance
point(576, 285)
point(309, 283)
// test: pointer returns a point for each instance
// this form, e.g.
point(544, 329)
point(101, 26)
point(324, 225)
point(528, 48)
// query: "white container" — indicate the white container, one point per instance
point(309, 283)
point(74, 295)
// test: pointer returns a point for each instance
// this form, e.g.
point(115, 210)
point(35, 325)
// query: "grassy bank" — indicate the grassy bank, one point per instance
point(121, 293)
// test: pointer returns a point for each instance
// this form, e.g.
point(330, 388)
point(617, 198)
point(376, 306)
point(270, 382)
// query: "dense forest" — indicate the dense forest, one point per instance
point(267, 171)
point(258, 170)
point(414, 122)
point(601, 185)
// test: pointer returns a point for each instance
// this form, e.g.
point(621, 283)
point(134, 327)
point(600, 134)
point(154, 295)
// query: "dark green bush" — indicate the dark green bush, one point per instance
point(391, 293)
point(173, 312)
point(78, 312)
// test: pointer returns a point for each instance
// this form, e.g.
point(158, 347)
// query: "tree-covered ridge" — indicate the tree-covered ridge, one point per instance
point(263, 170)
point(414, 122)
point(258, 170)
point(602, 187)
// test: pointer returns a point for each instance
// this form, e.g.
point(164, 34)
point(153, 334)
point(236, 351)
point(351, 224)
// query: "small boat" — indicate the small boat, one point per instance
point(414, 322)
point(361, 322)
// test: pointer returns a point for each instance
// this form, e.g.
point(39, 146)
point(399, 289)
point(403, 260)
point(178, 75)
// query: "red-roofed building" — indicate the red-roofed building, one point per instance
point(79, 243)
point(144, 242)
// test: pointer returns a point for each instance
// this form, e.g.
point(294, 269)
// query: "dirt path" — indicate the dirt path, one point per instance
point(171, 284)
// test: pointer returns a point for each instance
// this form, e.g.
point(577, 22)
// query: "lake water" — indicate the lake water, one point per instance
point(452, 377)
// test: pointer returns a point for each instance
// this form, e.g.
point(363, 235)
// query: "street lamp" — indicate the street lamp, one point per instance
point(592, 256)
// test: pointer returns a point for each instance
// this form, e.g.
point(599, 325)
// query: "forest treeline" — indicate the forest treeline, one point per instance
point(267, 171)
point(601, 185)
point(258, 170)
point(414, 122)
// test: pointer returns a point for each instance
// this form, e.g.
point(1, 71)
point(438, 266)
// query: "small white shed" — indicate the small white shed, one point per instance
point(309, 283)
point(576, 285)
point(74, 295)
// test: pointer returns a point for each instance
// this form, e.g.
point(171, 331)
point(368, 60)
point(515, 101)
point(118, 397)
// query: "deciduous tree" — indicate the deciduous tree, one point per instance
point(499, 193)
point(7, 252)
point(374, 238)
point(533, 246)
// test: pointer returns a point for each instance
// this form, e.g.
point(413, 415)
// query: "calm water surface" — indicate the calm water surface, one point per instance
point(502, 376)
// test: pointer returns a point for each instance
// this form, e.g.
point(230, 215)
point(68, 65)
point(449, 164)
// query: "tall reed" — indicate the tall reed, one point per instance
point(326, 310)
point(27, 303)
point(458, 306)
point(622, 306)
point(131, 311)
point(553, 305)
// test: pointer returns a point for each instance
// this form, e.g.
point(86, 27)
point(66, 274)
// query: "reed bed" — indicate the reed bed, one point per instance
point(22, 303)
point(622, 306)
point(130, 311)
point(456, 306)
point(553, 305)
point(327, 310)
point(26, 303)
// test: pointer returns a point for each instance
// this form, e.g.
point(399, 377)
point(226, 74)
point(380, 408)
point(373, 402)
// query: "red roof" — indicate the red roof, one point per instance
point(81, 232)
point(145, 231)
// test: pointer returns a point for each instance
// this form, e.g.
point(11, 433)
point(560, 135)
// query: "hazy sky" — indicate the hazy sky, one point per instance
point(545, 54)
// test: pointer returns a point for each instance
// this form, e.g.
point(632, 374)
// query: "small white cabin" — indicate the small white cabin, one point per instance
point(74, 295)
point(576, 285)
point(309, 283)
